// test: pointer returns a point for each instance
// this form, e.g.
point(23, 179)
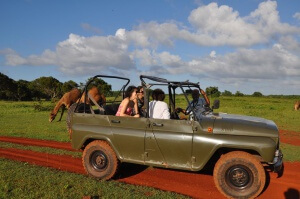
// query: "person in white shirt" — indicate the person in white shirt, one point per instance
point(157, 108)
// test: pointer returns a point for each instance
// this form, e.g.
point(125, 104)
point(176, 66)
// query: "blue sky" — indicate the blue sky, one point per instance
point(235, 45)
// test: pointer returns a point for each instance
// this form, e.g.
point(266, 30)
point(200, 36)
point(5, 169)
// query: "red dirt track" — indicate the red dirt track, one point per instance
point(196, 185)
point(290, 137)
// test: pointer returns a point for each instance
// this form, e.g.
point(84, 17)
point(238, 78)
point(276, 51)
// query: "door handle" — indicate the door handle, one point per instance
point(157, 124)
point(115, 121)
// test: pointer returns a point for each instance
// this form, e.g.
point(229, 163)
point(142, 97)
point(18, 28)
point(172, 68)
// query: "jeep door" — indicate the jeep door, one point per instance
point(129, 134)
point(169, 143)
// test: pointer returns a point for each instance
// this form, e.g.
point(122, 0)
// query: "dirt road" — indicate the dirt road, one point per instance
point(196, 185)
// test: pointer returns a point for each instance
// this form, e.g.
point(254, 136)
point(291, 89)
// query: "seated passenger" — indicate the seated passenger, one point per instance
point(157, 108)
point(129, 104)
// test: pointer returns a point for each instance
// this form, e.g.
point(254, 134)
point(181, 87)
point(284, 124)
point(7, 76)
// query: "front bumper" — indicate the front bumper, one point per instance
point(277, 164)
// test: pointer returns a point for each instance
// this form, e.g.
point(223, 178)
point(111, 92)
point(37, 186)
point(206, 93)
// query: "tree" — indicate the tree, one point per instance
point(69, 85)
point(22, 91)
point(257, 94)
point(7, 88)
point(48, 86)
point(227, 93)
point(213, 91)
point(102, 85)
point(239, 94)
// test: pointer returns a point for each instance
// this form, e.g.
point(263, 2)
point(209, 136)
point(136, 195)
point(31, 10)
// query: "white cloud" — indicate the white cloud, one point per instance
point(81, 55)
point(297, 15)
point(245, 64)
point(215, 25)
point(212, 54)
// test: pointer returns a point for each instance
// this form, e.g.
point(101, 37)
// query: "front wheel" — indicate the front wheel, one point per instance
point(239, 175)
point(99, 160)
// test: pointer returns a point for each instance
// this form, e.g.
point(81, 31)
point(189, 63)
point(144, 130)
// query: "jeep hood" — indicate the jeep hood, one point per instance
point(243, 125)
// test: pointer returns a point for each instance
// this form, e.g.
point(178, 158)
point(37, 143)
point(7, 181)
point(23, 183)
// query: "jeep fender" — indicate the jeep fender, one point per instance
point(206, 145)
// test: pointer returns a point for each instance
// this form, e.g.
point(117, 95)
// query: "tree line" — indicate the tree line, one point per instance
point(214, 92)
point(48, 88)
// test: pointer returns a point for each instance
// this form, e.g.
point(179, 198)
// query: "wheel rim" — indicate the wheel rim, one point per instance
point(99, 161)
point(239, 177)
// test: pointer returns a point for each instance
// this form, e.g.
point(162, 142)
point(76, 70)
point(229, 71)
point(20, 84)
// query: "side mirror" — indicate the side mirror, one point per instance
point(216, 104)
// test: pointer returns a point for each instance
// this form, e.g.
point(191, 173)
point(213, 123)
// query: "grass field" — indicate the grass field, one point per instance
point(30, 119)
point(280, 110)
point(21, 180)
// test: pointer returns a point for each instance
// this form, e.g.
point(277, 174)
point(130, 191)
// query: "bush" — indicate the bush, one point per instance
point(227, 93)
point(257, 94)
point(239, 94)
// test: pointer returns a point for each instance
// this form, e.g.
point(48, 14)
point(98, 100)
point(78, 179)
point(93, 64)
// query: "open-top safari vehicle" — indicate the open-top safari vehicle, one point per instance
point(240, 146)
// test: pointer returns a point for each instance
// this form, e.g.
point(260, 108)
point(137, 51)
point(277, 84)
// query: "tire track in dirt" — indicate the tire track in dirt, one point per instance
point(196, 185)
point(60, 162)
point(36, 142)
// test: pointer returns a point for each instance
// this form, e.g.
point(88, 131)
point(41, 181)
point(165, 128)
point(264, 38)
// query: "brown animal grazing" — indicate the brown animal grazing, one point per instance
point(297, 105)
point(66, 101)
point(73, 96)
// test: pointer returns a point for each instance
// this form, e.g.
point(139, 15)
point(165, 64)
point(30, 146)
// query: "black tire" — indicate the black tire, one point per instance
point(239, 175)
point(69, 118)
point(99, 160)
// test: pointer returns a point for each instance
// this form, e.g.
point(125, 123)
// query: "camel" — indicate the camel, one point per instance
point(73, 96)
point(66, 101)
point(297, 105)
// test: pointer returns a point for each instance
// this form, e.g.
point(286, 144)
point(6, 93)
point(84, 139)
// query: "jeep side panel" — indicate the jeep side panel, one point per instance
point(90, 126)
point(129, 135)
point(174, 140)
point(205, 144)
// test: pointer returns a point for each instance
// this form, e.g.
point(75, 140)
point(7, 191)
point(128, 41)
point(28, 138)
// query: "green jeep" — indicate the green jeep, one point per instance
point(239, 147)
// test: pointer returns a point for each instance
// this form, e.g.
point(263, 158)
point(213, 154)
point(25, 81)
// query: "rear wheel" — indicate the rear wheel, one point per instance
point(99, 160)
point(239, 175)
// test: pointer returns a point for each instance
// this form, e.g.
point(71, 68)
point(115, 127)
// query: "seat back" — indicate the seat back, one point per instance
point(111, 109)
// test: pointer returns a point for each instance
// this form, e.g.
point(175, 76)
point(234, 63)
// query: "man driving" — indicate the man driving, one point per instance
point(197, 104)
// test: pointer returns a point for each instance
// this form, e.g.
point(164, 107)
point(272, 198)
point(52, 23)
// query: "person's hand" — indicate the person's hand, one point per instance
point(136, 115)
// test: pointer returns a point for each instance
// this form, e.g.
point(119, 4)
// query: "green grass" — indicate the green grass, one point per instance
point(22, 120)
point(291, 153)
point(280, 110)
point(21, 180)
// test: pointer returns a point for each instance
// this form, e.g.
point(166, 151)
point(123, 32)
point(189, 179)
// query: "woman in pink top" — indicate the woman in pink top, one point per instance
point(129, 103)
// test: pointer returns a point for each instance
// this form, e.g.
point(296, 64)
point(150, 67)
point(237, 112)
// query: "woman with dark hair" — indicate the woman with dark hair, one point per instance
point(129, 103)
point(157, 108)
